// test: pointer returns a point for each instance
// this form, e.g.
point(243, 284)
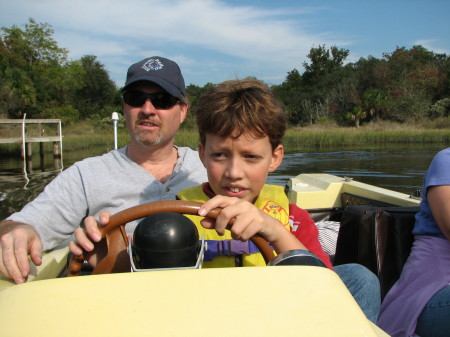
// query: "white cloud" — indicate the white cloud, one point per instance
point(244, 32)
point(431, 44)
point(260, 41)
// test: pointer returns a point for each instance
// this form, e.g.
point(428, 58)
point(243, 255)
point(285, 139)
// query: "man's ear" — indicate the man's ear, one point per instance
point(183, 111)
point(124, 110)
point(277, 158)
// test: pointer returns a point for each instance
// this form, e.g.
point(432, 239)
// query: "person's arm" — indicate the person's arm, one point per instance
point(305, 230)
point(248, 221)
point(41, 224)
point(58, 210)
point(439, 201)
point(17, 241)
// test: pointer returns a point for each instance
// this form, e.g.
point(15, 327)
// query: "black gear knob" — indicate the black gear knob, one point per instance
point(165, 240)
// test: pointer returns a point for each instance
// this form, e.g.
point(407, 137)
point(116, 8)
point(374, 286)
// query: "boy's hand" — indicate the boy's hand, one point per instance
point(249, 220)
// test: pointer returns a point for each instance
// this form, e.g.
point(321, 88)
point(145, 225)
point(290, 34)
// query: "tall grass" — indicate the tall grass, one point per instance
point(304, 138)
point(315, 139)
point(187, 138)
point(85, 135)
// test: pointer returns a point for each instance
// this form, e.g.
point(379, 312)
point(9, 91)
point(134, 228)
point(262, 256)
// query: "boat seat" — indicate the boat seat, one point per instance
point(379, 238)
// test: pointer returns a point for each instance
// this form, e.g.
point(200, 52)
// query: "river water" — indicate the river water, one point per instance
point(399, 168)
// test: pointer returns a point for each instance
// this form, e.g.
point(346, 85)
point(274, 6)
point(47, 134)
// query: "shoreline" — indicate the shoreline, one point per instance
point(86, 135)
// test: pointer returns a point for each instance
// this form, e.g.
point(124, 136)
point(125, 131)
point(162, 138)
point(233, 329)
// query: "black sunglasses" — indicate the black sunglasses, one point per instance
point(160, 100)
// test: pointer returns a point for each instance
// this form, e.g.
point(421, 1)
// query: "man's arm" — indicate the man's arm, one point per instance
point(17, 241)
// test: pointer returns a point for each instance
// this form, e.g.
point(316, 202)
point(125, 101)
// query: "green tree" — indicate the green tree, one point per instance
point(325, 83)
point(412, 82)
point(36, 78)
point(31, 69)
point(440, 109)
point(193, 93)
point(289, 93)
point(323, 62)
point(357, 115)
point(95, 90)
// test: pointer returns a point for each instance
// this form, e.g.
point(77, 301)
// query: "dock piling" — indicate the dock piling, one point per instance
point(41, 137)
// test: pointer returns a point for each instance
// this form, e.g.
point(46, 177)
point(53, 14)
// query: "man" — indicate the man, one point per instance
point(149, 168)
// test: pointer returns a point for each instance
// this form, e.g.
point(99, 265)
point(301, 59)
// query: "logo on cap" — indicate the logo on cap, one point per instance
point(152, 64)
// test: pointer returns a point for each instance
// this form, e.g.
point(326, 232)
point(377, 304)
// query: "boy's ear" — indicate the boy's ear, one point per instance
point(277, 158)
point(201, 153)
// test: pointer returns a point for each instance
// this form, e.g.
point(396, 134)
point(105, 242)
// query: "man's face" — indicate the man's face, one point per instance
point(151, 126)
point(238, 166)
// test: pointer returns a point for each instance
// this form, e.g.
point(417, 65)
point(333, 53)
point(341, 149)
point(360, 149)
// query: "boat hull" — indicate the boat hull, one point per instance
point(321, 190)
point(258, 301)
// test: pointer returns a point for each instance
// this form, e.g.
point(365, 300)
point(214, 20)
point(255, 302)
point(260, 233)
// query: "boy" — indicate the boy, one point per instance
point(241, 127)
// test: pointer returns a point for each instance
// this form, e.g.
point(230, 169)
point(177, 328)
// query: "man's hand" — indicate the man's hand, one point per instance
point(85, 238)
point(17, 241)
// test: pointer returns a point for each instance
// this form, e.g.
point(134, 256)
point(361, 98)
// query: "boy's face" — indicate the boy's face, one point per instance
point(238, 167)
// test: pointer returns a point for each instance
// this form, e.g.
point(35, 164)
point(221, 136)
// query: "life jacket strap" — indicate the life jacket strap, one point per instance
point(228, 248)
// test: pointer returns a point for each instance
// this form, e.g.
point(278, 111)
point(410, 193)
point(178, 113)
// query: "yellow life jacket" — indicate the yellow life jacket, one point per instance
point(271, 200)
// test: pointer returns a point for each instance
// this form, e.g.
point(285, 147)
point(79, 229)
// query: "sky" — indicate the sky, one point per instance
point(218, 40)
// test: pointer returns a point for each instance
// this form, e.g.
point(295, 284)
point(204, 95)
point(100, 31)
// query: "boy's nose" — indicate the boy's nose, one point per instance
point(234, 169)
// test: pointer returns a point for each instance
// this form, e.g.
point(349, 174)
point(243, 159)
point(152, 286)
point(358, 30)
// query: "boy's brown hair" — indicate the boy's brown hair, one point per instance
point(238, 106)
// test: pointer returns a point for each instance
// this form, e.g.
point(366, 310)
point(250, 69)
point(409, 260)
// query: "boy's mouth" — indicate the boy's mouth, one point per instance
point(234, 189)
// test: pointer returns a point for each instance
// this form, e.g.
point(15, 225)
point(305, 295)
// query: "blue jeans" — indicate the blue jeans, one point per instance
point(364, 287)
point(434, 319)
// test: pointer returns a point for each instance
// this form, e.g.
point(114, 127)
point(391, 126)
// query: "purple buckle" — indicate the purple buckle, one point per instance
point(228, 248)
point(236, 247)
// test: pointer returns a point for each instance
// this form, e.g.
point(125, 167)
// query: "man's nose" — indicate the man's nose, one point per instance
point(148, 107)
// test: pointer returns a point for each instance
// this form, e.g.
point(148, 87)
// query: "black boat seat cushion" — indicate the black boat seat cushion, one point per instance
point(379, 238)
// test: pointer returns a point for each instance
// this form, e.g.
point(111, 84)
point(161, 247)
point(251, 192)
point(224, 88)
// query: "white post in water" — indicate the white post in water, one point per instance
point(115, 118)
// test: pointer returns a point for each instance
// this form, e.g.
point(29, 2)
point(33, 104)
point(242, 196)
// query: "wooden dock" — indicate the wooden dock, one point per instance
point(37, 136)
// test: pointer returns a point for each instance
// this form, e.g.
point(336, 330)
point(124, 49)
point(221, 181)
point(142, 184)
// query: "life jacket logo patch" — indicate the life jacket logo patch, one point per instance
point(276, 211)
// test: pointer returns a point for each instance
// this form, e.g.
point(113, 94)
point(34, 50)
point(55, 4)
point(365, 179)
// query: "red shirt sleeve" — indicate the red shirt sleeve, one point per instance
point(304, 229)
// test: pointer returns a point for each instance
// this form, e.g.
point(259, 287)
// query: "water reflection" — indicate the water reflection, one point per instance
point(16, 190)
point(398, 168)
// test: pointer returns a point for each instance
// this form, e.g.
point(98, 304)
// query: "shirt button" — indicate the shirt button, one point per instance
point(167, 189)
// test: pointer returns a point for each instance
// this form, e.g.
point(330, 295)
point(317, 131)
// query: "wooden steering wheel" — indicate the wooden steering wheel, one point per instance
point(117, 260)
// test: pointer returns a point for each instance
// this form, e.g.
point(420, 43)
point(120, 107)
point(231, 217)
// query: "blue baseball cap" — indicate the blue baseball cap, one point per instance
point(159, 70)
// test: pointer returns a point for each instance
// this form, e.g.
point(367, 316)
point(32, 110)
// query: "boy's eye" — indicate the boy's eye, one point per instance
point(252, 157)
point(217, 154)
